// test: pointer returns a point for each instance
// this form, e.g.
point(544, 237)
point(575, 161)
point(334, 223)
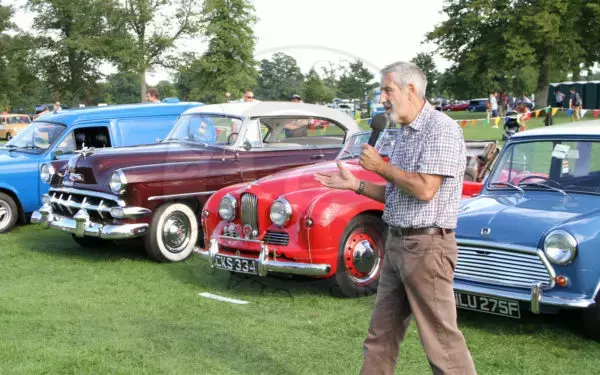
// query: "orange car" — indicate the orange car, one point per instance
point(12, 124)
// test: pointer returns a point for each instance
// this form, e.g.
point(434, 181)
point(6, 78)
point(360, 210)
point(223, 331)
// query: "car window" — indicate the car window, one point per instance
point(255, 132)
point(206, 128)
point(575, 165)
point(302, 131)
point(94, 136)
point(144, 130)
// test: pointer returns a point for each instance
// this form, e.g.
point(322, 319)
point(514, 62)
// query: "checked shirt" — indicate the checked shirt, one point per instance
point(432, 144)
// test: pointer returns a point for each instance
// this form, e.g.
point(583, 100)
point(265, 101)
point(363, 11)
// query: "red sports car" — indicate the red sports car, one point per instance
point(288, 223)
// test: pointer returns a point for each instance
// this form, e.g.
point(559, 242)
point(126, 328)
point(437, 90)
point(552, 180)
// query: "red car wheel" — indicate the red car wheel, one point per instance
point(360, 256)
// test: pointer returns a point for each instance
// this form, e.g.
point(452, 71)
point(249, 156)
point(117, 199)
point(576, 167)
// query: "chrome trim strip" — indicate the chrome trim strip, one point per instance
point(597, 291)
point(266, 265)
point(90, 193)
point(579, 303)
point(157, 197)
point(549, 267)
point(80, 226)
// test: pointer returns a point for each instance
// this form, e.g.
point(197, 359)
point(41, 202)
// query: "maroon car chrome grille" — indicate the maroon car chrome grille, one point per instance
point(249, 210)
point(67, 204)
point(277, 238)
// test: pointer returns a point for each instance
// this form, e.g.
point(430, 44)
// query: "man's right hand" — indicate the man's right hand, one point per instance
point(341, 179)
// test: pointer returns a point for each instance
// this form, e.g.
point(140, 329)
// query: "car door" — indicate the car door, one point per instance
point(272, 144)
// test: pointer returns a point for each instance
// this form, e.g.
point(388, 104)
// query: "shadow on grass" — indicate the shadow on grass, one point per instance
point(63, 245)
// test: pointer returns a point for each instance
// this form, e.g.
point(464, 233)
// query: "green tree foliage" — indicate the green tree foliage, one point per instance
point(122, 88)
point(517, 45)
point(166, 89)
point(279, 78)
point(228, 65)
point(154, 27)
point(314, 89)
point(355, 81)
point(425, 62)
point(72, 40)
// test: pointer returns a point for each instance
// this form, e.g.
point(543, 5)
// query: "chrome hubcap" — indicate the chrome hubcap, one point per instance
point(5, 214)
point(364, 256)
point(176, 232)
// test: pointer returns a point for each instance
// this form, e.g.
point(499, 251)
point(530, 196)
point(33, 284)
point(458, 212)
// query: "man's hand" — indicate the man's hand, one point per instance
point(342, 179)
point(370, 159)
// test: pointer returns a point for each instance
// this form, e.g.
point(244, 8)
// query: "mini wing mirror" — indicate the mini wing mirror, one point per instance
point(57, 152)
point(247, 145)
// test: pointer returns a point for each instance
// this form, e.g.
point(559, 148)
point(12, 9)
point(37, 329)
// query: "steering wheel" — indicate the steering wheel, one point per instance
point(541, 178)
point(230, 138)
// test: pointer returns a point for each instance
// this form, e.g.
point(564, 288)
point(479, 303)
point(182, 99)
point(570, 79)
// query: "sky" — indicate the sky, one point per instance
point(319, 32)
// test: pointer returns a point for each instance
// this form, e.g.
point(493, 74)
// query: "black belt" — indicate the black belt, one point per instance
point(401, 232)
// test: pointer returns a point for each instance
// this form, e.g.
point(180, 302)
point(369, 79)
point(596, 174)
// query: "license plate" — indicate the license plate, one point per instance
point(487, 304)
point(236, 264)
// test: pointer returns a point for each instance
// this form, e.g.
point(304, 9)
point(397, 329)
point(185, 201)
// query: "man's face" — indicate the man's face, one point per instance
point(394, 98)
point(248, 96)
point(148, 97)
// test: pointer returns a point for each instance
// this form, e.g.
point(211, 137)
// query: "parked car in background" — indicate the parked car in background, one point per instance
point(60, 136)
point(531, 239)
point(477, 105)
point(157, 192)
point(457, 105)
point(289, 223)
point(11, 124)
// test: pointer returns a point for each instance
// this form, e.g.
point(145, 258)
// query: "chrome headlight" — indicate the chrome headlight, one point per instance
point(118, 182)
point(560, 247)
point(227, 207)
point(281, 211)
point(46, 172)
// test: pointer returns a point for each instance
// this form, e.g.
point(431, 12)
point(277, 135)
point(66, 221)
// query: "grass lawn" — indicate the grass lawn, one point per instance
point(68, 310)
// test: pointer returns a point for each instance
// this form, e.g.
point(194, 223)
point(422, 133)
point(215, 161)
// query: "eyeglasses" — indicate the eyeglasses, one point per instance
point(249, 97)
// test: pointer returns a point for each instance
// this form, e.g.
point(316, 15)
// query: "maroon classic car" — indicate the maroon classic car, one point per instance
point(288, 223)
point(156, 192)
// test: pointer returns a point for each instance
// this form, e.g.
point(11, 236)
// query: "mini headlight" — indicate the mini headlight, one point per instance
point(46, 172)
point(118, 182)
point(227, 207)
point(281, 211)
point(560, 247)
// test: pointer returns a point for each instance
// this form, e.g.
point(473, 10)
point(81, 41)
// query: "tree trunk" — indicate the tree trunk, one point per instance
point(541, 94)
point(576, 75)
point(143, 86)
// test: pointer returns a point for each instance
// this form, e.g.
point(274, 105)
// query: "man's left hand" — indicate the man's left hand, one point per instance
point(370, 158)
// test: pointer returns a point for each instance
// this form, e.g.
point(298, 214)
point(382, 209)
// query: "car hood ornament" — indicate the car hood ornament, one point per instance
point(485, 231)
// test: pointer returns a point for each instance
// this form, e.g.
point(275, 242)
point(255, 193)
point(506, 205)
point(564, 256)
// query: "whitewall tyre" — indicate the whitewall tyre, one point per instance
point(172, 234)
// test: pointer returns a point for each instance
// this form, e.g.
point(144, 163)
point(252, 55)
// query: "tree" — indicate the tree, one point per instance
point(72, 40)
point(228, 64)
point(314, 89)
point(155, 26)
point(355, 81)
point(122, 88)
point(279, 78)
point(425, 62)
point(517, 45)
point(166, 89)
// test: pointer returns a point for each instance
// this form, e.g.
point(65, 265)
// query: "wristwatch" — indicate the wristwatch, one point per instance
point(361, 187)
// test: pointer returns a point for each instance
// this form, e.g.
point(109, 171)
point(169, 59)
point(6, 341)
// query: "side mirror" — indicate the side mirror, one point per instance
point(55, 153)
point(247, 145)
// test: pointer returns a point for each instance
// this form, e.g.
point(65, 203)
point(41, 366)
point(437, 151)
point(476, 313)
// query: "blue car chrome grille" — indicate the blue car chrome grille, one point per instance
point(500, 266)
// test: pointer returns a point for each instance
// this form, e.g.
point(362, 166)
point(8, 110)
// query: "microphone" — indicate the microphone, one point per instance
point(378, 123)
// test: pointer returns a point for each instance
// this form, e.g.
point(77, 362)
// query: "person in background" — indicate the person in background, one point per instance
point(57, 107)
point(296, 99)
point(494, 104)
point(227, 96)
point(575, 103)
point(152, 95)
point(248, 96)
point(560, 97)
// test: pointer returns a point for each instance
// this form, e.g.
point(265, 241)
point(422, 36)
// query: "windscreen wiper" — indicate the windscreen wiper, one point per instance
point(544, 185)
point(510, 185)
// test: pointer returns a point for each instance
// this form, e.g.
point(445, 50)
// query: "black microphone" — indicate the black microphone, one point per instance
point(378, 123)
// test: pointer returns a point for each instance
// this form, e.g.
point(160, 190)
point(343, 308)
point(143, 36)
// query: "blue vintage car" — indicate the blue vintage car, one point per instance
point(58, 136)
point(531, 239)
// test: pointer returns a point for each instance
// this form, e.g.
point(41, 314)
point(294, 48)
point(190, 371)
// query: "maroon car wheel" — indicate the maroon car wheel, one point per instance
point(172, 234)
point(360, 256)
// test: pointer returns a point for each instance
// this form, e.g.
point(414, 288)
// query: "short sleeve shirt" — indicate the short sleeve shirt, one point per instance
point(432, 144)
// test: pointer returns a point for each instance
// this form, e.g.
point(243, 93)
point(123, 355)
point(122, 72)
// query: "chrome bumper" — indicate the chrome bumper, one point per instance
point(81, 225)
point(266, 265)
point(535, 297)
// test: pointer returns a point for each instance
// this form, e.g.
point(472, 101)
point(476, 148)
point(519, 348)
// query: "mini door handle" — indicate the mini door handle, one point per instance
point(317, 157)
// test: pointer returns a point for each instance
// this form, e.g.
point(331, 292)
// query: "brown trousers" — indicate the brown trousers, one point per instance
point(416, 280)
